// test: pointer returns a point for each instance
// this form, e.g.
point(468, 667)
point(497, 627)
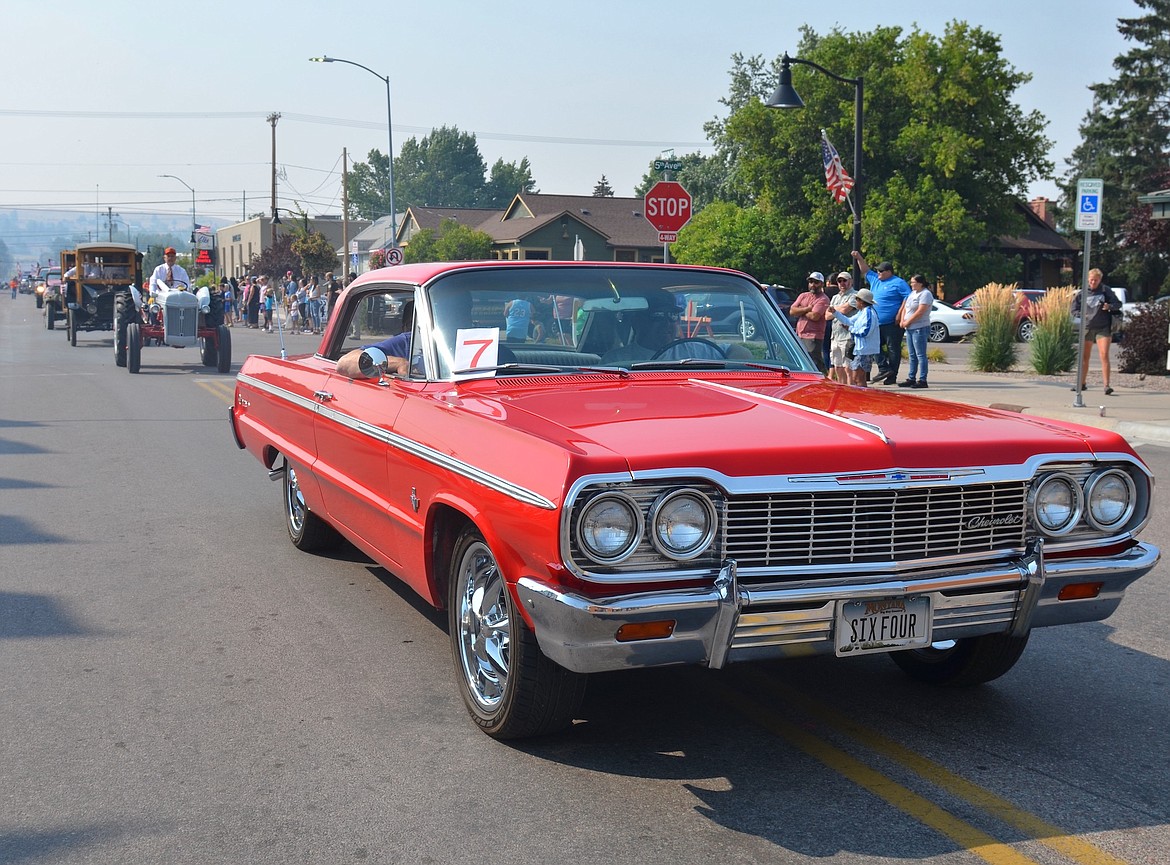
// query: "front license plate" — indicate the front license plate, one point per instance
point(882, 625)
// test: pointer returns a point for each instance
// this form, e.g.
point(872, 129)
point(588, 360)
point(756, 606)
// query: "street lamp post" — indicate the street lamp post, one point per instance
point(787, 97)
point(389, 138)
point(194, 225)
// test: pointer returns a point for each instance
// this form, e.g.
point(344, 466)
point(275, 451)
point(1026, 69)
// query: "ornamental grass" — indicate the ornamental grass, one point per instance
point(1054, 338)
point(994, 349)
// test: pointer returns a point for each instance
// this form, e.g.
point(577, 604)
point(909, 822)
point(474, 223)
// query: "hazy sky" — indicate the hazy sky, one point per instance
point(101, 98)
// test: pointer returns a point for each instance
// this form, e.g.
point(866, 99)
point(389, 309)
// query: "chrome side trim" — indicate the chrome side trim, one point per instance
point(406, 445)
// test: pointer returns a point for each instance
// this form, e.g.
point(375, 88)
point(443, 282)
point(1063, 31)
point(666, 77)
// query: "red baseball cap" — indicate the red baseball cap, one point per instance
point(170, 250)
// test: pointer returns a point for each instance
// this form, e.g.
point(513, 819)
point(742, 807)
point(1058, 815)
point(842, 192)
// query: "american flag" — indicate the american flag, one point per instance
point(837, 180)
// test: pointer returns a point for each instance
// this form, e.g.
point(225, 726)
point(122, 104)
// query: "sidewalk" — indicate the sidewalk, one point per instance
point(1138, 409)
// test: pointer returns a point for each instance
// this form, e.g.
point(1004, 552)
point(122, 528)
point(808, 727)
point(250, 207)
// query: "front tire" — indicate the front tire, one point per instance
point(50, 315)
point(307, 531)
point(509, 686)
point(1026, 330)
point(133, 347)
point(208, 353)
point(70, 328)
point(961, 663)
point(225, 349)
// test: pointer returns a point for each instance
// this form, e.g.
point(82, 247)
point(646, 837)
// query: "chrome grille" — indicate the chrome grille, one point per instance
point(874, 526)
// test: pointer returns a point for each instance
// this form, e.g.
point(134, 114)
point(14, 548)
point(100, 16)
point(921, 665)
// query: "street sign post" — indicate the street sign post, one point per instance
point(1090, 192)
point(1090, 195)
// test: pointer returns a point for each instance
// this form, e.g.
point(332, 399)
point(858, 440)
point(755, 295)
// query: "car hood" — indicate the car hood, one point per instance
point(750, 425)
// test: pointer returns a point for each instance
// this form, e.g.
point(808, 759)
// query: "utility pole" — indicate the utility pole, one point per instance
point(344, 215)
point(272, 118)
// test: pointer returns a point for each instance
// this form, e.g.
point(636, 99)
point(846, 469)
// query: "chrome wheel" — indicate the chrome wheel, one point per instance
point(294, 503)
point(485, 626)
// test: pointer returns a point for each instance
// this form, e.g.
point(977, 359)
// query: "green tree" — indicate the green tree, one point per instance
point(443, 169)
point(315, 251)
point(602, 189)
point(451, 242)
point(1125, 141)
point(506, 181)
point(947, 153)
point(367, 188)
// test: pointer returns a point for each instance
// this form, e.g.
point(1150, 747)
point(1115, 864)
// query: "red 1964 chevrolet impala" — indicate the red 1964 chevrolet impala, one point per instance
point(588, 476)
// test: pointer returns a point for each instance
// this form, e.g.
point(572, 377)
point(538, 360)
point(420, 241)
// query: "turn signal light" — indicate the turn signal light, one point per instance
point(1080, 591)
point(645, 631)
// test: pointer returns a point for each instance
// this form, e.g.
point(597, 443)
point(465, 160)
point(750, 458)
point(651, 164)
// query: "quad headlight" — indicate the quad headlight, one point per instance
point(682, 524)
point(1111, 498)
point(609, 528)
point(1057, 503)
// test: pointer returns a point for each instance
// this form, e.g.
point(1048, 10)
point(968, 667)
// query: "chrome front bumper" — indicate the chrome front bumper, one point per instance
point(729, 622)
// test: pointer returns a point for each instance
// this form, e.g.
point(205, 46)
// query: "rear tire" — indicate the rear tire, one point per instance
point(70, 327)
point(938, 332)
point(509, 686)
point(50, 315)
point(133, 347)
point(961, 663)
point(307, 531)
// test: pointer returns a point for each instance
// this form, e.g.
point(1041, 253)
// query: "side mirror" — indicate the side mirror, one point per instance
point(372, 363)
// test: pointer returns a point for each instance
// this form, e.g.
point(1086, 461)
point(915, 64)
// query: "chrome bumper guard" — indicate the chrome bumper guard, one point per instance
point(730, 622)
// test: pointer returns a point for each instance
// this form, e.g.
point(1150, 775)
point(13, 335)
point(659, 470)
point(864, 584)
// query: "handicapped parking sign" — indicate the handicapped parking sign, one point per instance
point(1089, 194)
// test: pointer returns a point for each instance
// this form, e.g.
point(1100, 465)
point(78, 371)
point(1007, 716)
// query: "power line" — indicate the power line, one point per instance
point(338, 121)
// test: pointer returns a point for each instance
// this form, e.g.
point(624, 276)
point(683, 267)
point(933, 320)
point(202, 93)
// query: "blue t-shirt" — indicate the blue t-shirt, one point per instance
point(888, 295)
point(395, 346)
point(519, 314)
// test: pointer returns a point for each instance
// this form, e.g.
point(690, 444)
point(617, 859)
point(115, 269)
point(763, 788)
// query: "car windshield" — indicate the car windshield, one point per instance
point(539, 319)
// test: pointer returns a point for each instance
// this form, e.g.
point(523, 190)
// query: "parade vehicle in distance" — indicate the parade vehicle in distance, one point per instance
point(622, 494)
point(98, 272)
point(48, 293)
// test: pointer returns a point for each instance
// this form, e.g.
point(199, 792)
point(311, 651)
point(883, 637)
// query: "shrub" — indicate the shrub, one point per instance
point(1054, 342)
point(1145, 345)
point(995, 341)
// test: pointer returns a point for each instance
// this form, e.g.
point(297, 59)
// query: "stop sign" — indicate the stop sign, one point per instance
point(668, 206)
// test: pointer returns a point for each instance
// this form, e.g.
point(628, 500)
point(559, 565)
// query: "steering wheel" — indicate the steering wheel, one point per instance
point(691, 346)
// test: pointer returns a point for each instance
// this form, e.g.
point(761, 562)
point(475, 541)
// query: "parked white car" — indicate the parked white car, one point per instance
point(946, 322)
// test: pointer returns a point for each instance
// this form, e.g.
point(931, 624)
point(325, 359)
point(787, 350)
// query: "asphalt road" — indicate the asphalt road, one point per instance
point(178, 684)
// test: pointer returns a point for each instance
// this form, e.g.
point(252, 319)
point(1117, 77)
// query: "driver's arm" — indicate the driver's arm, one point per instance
point(348, 364)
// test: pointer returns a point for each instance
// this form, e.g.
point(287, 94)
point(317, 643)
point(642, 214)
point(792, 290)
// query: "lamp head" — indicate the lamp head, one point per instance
point(325, 59)
point(276, 216)
point(785, 95)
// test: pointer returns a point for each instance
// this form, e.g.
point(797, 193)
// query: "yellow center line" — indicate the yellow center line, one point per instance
point(225, 391)
point(1046, 833)
point(904, 799)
